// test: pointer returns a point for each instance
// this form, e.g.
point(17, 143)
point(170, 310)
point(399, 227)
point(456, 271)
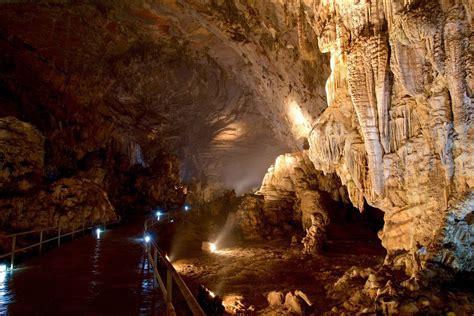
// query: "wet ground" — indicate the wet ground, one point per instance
point(89, 276)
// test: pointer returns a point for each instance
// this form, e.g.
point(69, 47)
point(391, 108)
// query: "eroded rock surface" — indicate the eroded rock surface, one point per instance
point(21, 155)
point(294, 186)
point(28, 201)
point(399, 127)
point(217, 83)
point(68, 202)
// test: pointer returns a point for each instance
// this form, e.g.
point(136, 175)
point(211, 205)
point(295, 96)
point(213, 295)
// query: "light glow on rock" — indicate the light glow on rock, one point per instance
point(300, 125)
point(231, 132)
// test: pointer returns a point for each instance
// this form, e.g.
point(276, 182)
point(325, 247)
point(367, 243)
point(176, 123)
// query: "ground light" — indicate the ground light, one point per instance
point(209, 247)
point(147, 239)
point(97, 232)
point(210, 302)
point(187, 208)
point(3, 268)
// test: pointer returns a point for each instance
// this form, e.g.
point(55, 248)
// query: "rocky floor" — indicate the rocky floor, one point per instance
point(243, 273)
point(272, 277)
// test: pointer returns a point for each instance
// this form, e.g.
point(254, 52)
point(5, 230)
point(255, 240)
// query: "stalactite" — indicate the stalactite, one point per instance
point(305, 50)
point(354, 153)
point(360, 87)
point(378, 50)
point(398, 60)
point(456, 42)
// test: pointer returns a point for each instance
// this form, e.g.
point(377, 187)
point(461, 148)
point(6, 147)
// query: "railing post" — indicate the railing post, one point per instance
point(41, 242)
point(13, 252)
point(169, 285)
point(155, 258)
point(73, 231)
point(59, 236)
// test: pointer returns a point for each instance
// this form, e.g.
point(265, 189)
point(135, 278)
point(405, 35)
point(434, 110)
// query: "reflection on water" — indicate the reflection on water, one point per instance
point(96, 275)
point(94, 284)
point(5, 295)
point(147, 288)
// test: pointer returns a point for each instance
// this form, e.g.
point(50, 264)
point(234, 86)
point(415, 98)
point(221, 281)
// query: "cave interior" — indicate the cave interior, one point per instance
point(324, 147)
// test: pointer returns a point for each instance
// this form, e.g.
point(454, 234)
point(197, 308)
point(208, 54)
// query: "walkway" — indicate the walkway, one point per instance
point(90, 276)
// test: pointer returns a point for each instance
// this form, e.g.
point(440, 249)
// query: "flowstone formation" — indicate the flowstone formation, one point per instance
point(399, 129)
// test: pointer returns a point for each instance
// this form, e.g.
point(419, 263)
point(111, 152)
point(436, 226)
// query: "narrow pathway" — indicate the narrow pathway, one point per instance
point(91, 276)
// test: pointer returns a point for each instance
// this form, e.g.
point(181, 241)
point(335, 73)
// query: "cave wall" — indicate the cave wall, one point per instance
point(210, 82)
point(28, 200)
point(399, 127)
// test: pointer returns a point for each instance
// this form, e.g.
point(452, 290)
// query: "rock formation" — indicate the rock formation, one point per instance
point(399, 127)
point(250, 218)
point(21, 156)
point(315, 235)
point(27, 200)
point(293, 195)
point(294, 186)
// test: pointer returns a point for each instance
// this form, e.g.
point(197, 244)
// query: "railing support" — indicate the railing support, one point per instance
point(171, 276)
point(12, 263)
point(41, 242)
point(169, 285)
point(155, 261)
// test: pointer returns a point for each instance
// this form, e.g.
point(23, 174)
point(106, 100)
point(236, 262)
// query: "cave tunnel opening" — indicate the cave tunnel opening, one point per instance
point(353, 231)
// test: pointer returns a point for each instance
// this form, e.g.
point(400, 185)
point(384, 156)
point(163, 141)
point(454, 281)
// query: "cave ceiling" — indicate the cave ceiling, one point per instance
point(226, 87)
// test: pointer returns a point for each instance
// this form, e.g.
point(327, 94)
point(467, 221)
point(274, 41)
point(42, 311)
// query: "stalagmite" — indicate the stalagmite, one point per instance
point(315, 235)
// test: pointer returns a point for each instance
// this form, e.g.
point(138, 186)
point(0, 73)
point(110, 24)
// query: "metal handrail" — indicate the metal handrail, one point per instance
point(81, 228)
point(171, 275)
